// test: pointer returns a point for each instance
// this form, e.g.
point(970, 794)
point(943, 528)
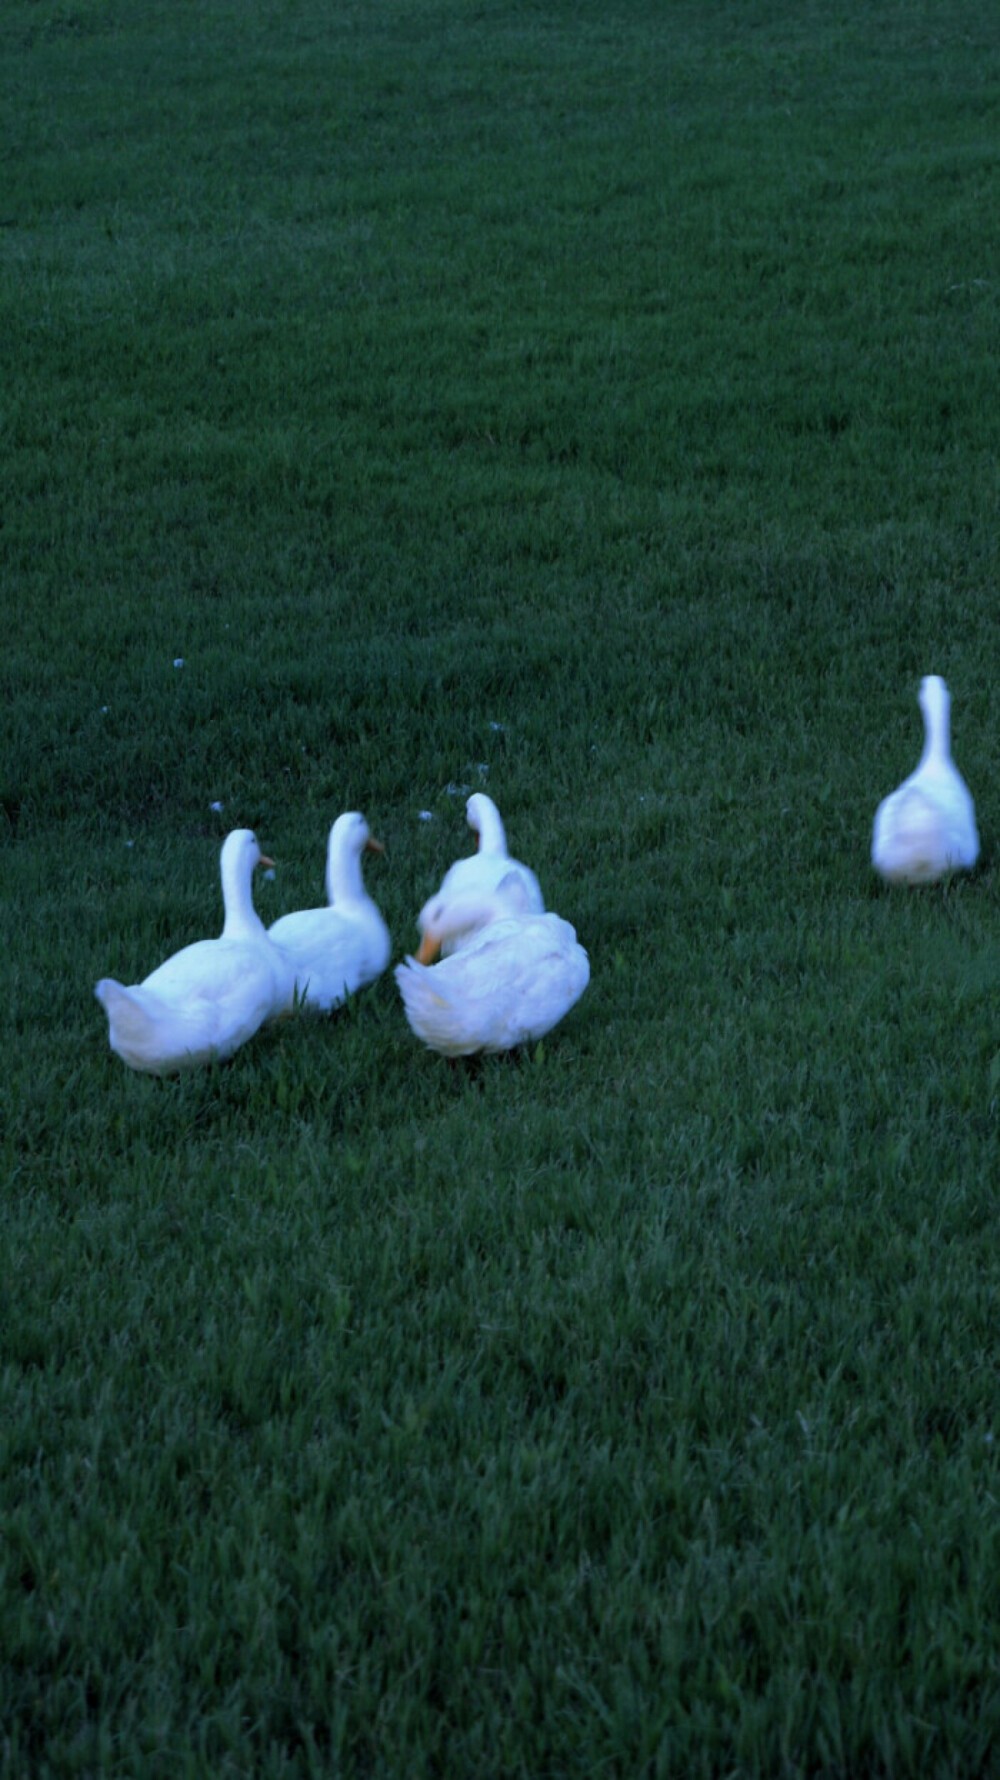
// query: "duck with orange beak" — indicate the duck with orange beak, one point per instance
point(208, 999)
point(506, 975)
point(481, 871)
point(338, 949)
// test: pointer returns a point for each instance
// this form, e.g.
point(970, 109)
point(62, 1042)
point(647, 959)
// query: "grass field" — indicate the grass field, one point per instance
point(596, 404)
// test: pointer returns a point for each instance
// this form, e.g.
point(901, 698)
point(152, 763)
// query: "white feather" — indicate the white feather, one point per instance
point(336, 950)
point(483, 870)
point(512, 976)
point(927, 826)
point(209, 998)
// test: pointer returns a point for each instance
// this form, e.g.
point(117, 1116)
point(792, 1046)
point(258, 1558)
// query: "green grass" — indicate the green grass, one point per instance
point(599, 407)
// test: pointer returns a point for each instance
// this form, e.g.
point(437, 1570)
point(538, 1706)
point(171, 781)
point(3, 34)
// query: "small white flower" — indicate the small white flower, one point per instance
point(130, 843)
point(104, 710)
point(425, 815)
point(483, 770)
point(178, 661)
point(217, 807)
point(270, 874)
point(453, 790)
point(498, 728)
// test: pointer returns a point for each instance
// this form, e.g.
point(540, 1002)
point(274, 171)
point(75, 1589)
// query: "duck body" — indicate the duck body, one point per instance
point(483, 871)
point(927, 826)
point(336, 950)
point(512, 975)
point(203, 1003)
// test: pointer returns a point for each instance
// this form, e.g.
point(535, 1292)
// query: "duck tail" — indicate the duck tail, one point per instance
point(432, 1015)
point(130, 1020)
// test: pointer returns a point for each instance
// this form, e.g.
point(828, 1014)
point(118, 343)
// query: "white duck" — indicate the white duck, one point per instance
point(336, 950)
point(511, 976)
point(482, 871)
point(927, 826)
point(208, 999)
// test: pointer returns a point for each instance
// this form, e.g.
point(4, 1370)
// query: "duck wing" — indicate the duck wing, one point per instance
point(332, 954)
point(199, 1005)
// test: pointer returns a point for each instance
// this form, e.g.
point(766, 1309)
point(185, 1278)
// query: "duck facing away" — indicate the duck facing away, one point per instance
point(511, 976)
point(927, 826)
point(481, 872)
point(339, 949)
point(207, 1000)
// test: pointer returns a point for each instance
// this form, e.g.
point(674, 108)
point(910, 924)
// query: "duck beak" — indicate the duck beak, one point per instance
point(373, 846)
point(429, 949)
point(266, 862)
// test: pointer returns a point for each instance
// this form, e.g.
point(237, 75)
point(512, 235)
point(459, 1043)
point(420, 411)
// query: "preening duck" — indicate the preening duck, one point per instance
point(512, 973)
point(209, 998)
point(927, 826)
point(338, 949)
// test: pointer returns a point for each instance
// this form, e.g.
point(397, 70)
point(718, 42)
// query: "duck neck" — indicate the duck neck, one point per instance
point(344, 882)
point(937, 738)
point(490, 829)
point(237, 899)
point(469, 914)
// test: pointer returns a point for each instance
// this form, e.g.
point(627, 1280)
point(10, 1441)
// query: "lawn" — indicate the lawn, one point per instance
point(595, 405)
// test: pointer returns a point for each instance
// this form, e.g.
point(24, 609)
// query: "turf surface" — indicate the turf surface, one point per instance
point(596, 405)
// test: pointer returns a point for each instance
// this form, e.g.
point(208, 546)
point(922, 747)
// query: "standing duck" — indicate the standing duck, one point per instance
point(207, 1000)
point(484, 869)
point(336, 950)
point(927, 826)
